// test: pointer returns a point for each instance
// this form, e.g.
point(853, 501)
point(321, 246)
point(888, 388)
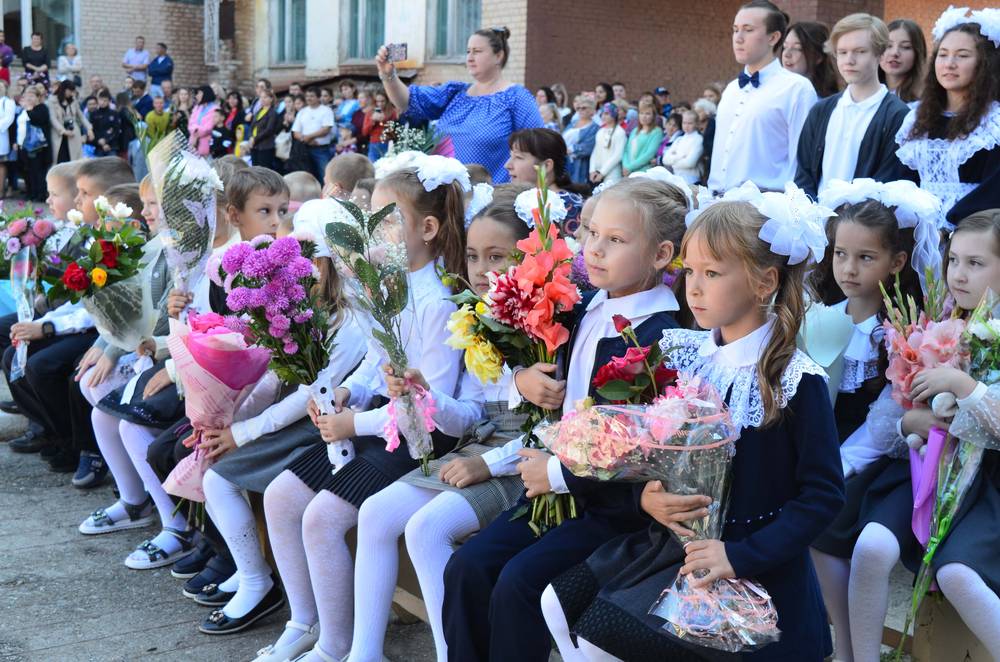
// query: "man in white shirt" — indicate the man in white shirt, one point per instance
point(852, 134)
point(136, 60)
point(762, 112)
point(313, 126)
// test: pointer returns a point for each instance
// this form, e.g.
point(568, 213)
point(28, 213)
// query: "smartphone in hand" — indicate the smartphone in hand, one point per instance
point(397, 52)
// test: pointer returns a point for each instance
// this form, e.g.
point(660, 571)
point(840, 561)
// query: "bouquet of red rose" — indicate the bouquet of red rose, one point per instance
point(106, 269)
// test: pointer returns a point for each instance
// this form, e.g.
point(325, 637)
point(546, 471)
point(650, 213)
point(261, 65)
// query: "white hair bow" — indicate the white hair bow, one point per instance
point(434, 170)
point(988, 20)
point(527, 201)
point(482, 196)
point(795, 224)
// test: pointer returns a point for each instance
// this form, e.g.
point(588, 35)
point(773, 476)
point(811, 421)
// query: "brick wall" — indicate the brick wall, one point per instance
point(514, 14)
point(680, 44)
point(109, 27)
point(924, 12)
point(829, 11)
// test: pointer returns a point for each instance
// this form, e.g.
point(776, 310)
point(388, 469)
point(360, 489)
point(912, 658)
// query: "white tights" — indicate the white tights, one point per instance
point(974, 601)
point(233, 517)
point(834, 577)
point(875, 554)
point(313, 558)
point(433, 522)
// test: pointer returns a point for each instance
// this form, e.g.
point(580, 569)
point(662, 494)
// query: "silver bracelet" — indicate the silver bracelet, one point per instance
point(391, 76)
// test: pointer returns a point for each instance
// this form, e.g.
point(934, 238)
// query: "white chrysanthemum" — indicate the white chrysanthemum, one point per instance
point(74, 216)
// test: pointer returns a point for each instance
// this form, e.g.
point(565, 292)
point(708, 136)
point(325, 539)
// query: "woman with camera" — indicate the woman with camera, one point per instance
point(475, 119)
point(69, 126)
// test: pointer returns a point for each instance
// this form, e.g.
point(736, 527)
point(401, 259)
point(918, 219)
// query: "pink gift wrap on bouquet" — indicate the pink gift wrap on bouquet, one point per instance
point(217, 371)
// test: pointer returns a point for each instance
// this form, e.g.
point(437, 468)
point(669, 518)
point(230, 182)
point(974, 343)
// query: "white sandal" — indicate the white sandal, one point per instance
point(320, 653)
point(297, 648)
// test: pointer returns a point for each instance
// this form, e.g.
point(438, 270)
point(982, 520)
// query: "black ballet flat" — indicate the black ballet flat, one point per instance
point(219, 623)
point(212, 596)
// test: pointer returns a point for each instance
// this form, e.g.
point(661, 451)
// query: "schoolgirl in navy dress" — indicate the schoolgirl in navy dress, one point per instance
point(547, 149)
point(966, 562)
point(309, 507)
point(786, 483)
point(493, 582)
point(871, 242)
point(951, 138)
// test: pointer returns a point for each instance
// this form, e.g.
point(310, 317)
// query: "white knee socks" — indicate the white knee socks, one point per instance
point(285, 502)
point(875, 553)
point(126, 477)
point(555, 618)
point(431, 536)
point(974, 601)
point(381, 522)
point(834, 577)
point(234, 519)
point(325, 523)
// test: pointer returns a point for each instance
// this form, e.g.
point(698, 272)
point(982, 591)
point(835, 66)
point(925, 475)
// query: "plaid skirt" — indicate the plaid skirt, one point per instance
point(496, 495)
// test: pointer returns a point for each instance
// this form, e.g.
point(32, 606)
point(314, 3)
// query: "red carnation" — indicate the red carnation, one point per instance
point(621, 323)
point(109, 253)
point(75, 277)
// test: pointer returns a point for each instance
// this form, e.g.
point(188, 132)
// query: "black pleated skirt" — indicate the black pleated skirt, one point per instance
point(160, 411)
point(372, 470)
point(882, 493)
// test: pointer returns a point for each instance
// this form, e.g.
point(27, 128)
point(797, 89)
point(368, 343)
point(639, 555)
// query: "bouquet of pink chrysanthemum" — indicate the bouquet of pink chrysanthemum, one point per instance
point(268, 284)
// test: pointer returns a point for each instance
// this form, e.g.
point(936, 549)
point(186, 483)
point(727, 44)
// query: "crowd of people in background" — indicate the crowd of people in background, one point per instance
point(860, 106)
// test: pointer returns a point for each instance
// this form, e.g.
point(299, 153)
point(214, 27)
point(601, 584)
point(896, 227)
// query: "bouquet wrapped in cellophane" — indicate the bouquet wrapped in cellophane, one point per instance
point(186, 186)
point(108, 269)
point(372, 248)
point(686, 439)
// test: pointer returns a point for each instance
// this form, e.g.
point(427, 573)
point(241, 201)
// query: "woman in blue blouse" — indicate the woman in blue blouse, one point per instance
point(477, 118)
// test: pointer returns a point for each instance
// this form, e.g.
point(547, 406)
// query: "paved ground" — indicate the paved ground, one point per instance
point(65, 597)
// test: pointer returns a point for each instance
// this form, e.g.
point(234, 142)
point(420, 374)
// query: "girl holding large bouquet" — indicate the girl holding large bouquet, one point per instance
point(493, 581)
point(744, 281)
point(309, 507)
point(252, 452)
point(965, 562)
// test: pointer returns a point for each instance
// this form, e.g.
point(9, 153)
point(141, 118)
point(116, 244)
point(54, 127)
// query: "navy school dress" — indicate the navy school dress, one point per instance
point(787, 486)
point(494, 582)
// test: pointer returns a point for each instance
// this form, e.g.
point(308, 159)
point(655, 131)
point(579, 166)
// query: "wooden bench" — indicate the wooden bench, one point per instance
point(939, 635)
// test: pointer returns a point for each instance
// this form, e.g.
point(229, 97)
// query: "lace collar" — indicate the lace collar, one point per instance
point(861, 354)
point(912, 152)
point(732, 368)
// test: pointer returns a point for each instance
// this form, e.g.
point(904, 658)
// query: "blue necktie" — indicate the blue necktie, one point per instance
point(752, 80)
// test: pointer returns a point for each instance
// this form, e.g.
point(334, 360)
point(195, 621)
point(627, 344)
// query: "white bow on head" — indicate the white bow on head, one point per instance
point(482, 196)
point(987, 18)
point(661, 174)
point(434, 170)
point(527, 201)
point(795, 224)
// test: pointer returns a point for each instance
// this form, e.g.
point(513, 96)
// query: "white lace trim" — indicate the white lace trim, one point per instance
point(680, 346)
point(937, 160)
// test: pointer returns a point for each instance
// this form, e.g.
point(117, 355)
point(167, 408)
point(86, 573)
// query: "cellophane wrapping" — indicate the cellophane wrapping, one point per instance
point(686, 440)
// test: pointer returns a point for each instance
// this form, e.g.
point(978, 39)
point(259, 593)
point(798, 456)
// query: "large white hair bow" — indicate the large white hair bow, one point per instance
point(987, 18)
point(795, 224)
point(527, 201)
point(435, 170)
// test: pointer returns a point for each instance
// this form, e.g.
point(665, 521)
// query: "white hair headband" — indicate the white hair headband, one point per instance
point(988, 20)
point(912, 206)
point(527, 201)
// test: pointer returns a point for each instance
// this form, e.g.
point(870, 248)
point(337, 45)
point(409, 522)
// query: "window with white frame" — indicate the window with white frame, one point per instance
point(288, 36)
point(365, 26)
point(451, 23)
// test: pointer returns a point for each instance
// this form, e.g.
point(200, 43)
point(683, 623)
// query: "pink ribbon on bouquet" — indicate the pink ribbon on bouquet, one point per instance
point(445, 147)
point(923, 474)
